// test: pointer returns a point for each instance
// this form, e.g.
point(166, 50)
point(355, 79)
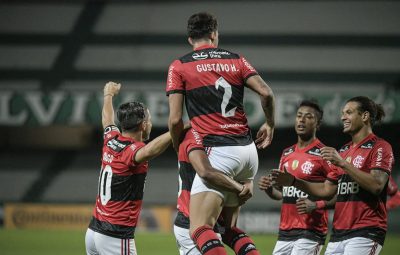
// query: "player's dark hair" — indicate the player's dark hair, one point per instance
point(131, 115)
point(201, 25)
point(313, 104)
point(365, 104)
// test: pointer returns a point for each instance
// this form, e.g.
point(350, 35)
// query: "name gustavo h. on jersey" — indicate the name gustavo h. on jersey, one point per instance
point(216, 67)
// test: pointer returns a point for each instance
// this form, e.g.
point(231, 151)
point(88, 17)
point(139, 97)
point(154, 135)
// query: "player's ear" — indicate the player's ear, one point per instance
point(143, 125)
point(190, 40)
point(213, 35)
point(365, 116)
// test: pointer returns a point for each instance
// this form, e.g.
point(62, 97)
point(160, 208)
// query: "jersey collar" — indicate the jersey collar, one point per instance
point(312, 144)
point(206, 46)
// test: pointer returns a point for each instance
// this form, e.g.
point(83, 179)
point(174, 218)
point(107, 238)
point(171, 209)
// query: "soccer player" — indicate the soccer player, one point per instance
point(187, 172)
point(301, 230)
point(123, 172)
point(360, 179)
point(212, 81)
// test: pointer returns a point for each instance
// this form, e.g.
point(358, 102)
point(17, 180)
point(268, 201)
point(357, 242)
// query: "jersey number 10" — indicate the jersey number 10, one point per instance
point(105, 184)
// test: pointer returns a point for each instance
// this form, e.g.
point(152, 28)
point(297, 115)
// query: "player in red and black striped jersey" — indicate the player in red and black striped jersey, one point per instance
point(191, 150)
point(360, 180)
point(211, 81)
point(301, 231)
point(122, 176)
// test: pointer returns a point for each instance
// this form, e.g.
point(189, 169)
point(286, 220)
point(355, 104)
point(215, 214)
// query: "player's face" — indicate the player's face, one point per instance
point(351, 118)
point(148, 126)
point(306, 121)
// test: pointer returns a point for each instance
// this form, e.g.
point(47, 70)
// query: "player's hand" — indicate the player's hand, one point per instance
point(265, 182)
point(282, 178)
point(305, 205)
point(112, 88)
point(264, 136)
point(331, 154)
point(246, 193)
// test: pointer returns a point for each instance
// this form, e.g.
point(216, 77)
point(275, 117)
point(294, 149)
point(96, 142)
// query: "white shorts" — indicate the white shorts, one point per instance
point(238, 162)
point(301, 246)
point(185, 244)
point(97, 243)
point(354, 246)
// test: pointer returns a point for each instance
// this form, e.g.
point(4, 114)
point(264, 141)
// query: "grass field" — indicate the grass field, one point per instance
point(46, 242)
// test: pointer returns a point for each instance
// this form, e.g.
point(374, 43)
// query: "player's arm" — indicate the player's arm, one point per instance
point(324, 190)
point(374, 182)
point(175, 122)
point(266, 131)
point(154, 148)
point(110, 90)
point(305, 205)
point(266, 183)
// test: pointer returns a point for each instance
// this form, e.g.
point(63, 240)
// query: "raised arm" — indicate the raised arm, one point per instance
point(374, 182)
point(154, 148)
point(110, 90)
point(175, 122)
point(266, 131)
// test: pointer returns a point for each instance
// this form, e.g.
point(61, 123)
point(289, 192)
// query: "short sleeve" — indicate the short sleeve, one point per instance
point(175, 82)
point(109, 132)
point(192, 141)
point(247, 69)
point(334, 173)
point(382, 157)
point(129, 154)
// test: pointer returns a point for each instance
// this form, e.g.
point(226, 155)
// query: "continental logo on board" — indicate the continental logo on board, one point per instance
point(47, 216)
point(64, 216)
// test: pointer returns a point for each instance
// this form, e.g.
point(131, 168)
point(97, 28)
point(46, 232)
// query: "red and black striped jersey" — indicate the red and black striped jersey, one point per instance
point(192, 141)
point(121, 186)
point(306, 164)
point(358, 213)
point(213, 80)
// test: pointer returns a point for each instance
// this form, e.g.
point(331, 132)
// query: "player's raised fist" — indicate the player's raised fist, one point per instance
point(112, 88)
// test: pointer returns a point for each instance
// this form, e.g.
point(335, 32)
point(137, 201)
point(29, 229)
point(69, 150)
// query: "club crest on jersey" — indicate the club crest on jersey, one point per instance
point(358, 161)
point(307, 167)
point(200, 56)
point(295, 164)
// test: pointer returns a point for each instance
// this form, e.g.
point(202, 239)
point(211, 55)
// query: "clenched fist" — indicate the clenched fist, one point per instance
point(112, 88)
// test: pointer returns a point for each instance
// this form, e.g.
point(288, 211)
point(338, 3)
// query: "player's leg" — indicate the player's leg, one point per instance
point(283, 248)
point(233, 236)
point(362, 245)
point(305, 246)
point(334, 248)
point(205, 208)
point(107, 245)
point(186, 246)
point(206, 203)
point(89, 243)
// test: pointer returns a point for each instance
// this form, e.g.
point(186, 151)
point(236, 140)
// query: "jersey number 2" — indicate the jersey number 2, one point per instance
point(227, 96)
point(105, 184)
